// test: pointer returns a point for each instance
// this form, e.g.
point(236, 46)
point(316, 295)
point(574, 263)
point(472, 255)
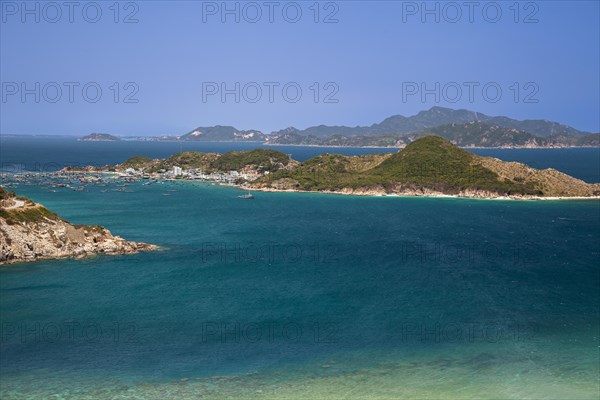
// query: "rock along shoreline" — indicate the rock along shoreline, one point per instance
point(30, 232)
point(480, 195)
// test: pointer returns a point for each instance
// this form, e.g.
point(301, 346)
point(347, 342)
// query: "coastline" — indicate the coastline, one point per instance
point(466, 148)
point(147, 248)
point(29, 232)
point(331, 146)
point(481, 195)
point(373, 193)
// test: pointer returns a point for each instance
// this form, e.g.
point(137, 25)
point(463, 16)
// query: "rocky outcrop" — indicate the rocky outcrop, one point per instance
point(550, 182)
point(8, 202)
point(31, 233)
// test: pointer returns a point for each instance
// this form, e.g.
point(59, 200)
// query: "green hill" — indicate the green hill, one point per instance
point(262, 159)
point(435, 163)
point(427, 165)
point(137, 162)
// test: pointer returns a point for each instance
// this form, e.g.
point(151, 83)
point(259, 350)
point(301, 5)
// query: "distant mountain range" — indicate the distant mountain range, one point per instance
point(470, 134)
point(461, 127)
point(479, 134)
point(399, 125)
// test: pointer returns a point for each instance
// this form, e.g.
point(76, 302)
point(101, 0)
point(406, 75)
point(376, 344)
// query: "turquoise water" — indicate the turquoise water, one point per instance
point(409, 296)
point(308, 296)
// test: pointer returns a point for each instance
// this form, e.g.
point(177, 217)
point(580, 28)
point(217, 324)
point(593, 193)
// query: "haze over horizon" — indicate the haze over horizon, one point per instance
point(180, 65)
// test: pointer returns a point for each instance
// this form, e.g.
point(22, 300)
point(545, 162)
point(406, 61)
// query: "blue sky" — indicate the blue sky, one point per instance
point(369, 60)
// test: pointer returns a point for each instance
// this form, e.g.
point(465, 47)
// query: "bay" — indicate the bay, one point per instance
point(296, 295)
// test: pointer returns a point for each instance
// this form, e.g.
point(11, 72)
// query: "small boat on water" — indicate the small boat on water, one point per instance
point(246, 196)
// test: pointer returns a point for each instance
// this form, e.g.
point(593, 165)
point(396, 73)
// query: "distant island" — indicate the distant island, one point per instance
point(428, 166)
point(99, 137)
point(31, 232)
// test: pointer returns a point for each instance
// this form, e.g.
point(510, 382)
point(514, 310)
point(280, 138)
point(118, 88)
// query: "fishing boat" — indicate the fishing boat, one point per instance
point(246, 196)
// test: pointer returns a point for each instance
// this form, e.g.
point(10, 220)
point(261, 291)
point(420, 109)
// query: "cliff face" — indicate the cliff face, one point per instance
point(30, 232)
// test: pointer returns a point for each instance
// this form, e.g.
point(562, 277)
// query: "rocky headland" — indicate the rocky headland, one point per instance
point(31, 232)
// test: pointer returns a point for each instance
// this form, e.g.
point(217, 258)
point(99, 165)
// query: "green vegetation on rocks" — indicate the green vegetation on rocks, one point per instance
point(263, 159)
point(187, 160)
point(137, 162)
point(27, 214)
point(29, 232)
point(327, 171)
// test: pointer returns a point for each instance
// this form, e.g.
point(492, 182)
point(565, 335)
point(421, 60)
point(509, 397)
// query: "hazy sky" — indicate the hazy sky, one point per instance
point(168, 67)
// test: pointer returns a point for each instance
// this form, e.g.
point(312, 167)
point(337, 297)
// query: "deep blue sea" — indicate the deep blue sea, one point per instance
point(305, 296)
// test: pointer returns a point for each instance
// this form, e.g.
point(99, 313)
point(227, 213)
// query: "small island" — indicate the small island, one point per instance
point(31, 232)
point(99, 137)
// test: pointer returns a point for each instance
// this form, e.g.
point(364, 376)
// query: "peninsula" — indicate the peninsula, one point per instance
point(30, 232)
point(428, 166)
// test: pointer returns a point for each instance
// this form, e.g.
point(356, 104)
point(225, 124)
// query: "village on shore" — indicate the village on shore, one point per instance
point(78, 179)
